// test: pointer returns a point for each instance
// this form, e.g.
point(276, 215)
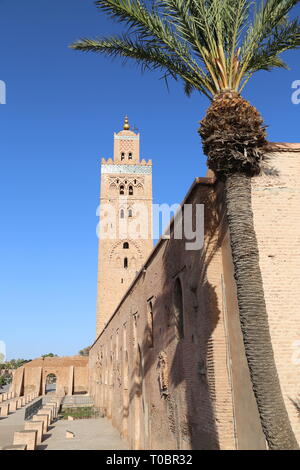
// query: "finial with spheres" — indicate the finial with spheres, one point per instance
point(126, 124)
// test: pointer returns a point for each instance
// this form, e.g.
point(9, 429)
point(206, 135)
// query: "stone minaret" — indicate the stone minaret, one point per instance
point(125, 227)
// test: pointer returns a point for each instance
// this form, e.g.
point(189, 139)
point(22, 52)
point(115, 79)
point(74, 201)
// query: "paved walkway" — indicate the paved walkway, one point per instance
point(9, 424)
point(90, 434)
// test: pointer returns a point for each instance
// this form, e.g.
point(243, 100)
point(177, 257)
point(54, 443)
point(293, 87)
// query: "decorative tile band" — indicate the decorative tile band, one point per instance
point(127, 169)
point(127, 137)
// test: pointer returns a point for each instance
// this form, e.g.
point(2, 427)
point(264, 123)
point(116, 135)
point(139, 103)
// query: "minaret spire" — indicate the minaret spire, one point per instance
point(126, 124)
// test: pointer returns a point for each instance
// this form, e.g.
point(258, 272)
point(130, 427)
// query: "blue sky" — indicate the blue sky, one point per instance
point(62, 109)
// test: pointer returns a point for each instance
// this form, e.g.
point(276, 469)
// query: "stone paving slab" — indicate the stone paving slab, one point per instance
point(9, 424)
point(90, 434)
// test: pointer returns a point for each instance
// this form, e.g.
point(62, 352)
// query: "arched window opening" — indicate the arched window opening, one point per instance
point(130, 213)
point(122, 156)
point(126, 245)
point(125, 263)
point(122, 214)
point(130, 156)
point(178, 308)
point(122, 190)
point(50, 383)
point(113, 189)
point(150, 325)
point(130, 190)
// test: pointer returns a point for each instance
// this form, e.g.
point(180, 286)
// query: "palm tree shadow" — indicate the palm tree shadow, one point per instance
point(185, 366)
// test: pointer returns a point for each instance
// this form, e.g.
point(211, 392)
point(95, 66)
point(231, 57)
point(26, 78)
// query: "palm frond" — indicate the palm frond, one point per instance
point(268, 18)
point(148, 55)
point(267, 57)
point(147, 25)
point(212, 45)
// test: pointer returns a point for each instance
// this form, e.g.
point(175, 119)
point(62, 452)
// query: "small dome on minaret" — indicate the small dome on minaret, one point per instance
point(126, 124)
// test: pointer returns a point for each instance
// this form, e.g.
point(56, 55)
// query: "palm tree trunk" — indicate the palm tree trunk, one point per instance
point(253, 315)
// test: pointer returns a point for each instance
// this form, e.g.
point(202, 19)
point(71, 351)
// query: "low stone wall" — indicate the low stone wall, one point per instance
point(33, 409)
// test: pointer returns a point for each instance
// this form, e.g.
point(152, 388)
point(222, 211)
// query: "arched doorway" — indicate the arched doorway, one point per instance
point(50, 386)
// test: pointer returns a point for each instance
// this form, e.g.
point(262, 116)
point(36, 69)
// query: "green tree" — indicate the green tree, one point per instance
point(51, 379)
point(2, 380)
point(49, 355)
point(14, 363)
point(84, 351)
point(5, 378)
point(215, 47)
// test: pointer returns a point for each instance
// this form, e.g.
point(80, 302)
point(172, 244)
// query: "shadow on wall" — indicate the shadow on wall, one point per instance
point(184, 318)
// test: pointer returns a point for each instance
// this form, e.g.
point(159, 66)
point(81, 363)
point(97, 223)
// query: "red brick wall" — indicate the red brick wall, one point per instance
point(195, 392)
point(276, 207)
point(195, 409)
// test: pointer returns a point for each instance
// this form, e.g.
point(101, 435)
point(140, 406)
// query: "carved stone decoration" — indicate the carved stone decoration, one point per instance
point(99, 366)
point(126, 181)
point(163, 374)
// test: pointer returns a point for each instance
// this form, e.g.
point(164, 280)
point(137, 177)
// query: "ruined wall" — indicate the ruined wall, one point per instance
point(71, 375)
point(80, 379)
point(17, 385)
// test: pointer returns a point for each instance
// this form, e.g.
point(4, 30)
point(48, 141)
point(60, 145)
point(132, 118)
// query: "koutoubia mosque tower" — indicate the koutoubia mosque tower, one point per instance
point(125, 227)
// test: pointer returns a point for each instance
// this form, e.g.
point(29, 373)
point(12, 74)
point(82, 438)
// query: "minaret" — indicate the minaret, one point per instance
point(125, 228)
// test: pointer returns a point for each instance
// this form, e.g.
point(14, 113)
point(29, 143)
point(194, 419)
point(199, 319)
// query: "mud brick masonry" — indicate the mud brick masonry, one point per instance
point(168, 367)
point(71, 375)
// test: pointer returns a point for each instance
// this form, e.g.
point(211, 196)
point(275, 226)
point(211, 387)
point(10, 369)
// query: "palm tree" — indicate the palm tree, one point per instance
point(214, 47)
